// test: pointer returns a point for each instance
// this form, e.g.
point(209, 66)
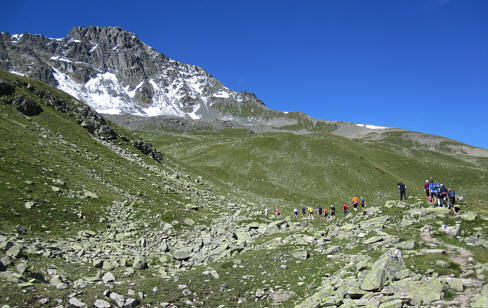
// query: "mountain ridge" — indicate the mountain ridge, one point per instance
point(115, 73)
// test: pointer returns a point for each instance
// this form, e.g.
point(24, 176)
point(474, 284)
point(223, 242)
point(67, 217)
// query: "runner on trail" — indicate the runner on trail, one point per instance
point(346, 209)
point(403, 190)
point(319, 212)
point(295, 211)
point(451, 198)
point(426, 188)
point(266, 211)
point(310, 212)
point(326, 216)
point(304, 211)
point(332, 211)
point(355, 202)
point(278, 212)
point(363, 203)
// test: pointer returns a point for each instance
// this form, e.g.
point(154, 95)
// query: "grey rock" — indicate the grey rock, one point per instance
point(373, 239)
point(451, 230)
point(408, 245)
point(333, 250)
point(383, 270)
point(74, 302)
point(100, 303)
point(469, 216)
point(131, 302)
point(14, 251)
point(182, 254)
point(139, 263)
point(29, 204)
point(300, 254)
point(281, 296)
point(455, 284)
point(188, 221)
point(108, 277)
point(376, 222)
point(119, 299)
point(423, 292)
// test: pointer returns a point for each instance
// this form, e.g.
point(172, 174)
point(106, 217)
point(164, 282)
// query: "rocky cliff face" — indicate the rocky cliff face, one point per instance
point(114, 72)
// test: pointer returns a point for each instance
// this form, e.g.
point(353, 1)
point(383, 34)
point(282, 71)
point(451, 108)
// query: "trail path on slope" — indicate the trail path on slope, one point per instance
point(458, 255)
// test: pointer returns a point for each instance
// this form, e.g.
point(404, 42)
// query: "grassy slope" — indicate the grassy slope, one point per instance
point(36, 151)
point(320, 168)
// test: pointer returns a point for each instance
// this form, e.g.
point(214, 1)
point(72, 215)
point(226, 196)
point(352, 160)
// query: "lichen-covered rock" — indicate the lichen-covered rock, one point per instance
point(383, 270)
point(281, 296)
point(139, 263)
point(374, 222)
point(481, 300)
point(451, 230)
point(469, 216)
point(300, 254)
point(420, 292)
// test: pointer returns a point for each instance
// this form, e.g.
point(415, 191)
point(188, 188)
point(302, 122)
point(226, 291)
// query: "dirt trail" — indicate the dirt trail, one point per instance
point(456, 254)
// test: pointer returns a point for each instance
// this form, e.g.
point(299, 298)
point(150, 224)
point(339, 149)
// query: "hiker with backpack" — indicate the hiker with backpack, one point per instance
point(332, 211)
point(319, 212)
point(403, 190)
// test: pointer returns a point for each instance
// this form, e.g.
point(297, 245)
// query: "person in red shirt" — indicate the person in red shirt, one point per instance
point(277, 212)
point(325, 213)
point(346, 209)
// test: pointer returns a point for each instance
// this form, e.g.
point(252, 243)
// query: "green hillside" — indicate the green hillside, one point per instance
point(322, 168)
point(95, 215)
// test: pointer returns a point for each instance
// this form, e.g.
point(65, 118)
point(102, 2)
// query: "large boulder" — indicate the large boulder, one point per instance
point(451, 230)
point(300, 254)
point(376, 222)
point(420, 292)
point(480, 300)
point(383, 270)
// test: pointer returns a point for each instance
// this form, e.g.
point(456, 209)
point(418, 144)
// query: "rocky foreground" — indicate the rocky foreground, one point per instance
point(122, 256)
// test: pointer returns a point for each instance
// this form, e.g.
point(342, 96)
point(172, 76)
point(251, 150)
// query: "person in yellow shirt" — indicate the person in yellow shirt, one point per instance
point(310, 212)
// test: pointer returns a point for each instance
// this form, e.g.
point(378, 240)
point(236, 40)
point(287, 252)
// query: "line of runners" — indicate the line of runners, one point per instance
point(437, 195)
point(322, 212)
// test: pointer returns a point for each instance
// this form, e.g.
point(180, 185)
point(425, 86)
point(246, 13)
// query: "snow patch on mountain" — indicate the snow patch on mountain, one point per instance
point(371, 126)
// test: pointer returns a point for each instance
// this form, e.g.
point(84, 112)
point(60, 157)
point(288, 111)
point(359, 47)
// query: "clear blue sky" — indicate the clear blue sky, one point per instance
point(421, 65)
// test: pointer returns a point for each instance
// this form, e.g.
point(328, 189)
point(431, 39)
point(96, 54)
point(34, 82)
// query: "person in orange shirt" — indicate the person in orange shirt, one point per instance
point(355, 202)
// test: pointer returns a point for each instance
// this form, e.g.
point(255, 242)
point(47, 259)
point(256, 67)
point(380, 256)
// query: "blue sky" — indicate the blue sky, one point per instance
point(421, 65)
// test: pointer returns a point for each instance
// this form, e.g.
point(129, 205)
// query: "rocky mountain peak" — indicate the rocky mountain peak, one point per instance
point(111, 70)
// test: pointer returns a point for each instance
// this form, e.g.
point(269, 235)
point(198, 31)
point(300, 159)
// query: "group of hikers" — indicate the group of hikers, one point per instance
point(438, 195)
point(322, 212)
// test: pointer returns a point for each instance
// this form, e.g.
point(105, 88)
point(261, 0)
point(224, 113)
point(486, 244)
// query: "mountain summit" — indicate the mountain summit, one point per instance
point(114, 72)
